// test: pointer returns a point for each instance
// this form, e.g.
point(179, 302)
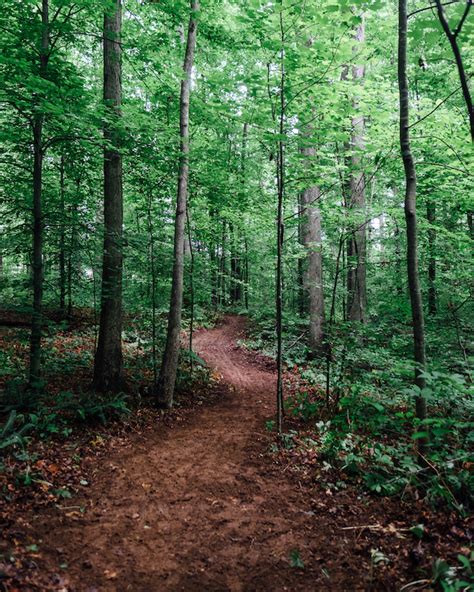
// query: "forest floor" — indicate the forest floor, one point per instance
point(203, 504)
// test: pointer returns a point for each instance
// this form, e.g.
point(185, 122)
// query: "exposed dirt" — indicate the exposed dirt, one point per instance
point(202, 506)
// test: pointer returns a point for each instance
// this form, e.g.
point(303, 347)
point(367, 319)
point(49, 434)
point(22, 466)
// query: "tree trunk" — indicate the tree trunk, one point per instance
point(167, 379)
point(223, 268)
point(280, 173)
point(70, 259)
point(431, 216)
point(213, 261)
point(62, 240)
point(235, 268)
point(313, 267)
point(247, 273)
point(410, 216)
point(38, 154)
point(108, 358)
point(357, 243)
point(301, 300)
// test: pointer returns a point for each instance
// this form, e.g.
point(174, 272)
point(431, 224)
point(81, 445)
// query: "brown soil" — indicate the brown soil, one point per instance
point(202, 505)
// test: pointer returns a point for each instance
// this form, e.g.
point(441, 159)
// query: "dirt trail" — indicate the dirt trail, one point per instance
point(200, 506)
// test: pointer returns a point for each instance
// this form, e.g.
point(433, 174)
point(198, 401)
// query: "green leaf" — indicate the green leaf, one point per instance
point(295, 559)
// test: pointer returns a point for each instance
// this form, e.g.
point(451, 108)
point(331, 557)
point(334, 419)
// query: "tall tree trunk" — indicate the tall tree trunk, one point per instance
point(357, 242)
point(313, 267)
point(151, 251)
point(62, 239)
point(223, 267)
point(301, 300)
point(410, 217)
point(235, 267)
point(70, 259)
point(247, 273)
point(280, 162)
point(38, 154)
point(108, 358)
point(213, 261)
point(191, 288)
point(167, 379)
point(431, 216)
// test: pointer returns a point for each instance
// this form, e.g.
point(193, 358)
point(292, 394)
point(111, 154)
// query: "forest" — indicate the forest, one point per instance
point(236, 295)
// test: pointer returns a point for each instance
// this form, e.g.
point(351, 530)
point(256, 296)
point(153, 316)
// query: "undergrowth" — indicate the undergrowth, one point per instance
point(364, 426)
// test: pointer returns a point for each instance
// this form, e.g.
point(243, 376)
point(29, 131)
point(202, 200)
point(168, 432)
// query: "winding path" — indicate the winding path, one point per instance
point(199, 506)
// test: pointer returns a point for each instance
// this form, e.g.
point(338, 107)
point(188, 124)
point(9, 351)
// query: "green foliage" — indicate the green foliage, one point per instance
point(14, 431)
point(368, 428)
point(454, 578)
point(91, 407)
point(295, 559)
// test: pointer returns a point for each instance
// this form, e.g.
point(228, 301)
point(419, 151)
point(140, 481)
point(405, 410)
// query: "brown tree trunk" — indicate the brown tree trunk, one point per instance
point(62, 240)
point(410, 216)
point(38, 154)
point(313, 266)
point(357, 242)
point(213, 261)
point(167, 379)
point(280, 173)
point(223, 268)
point(246, 273)
point(301, 300)
point(70, 259)
point(108, 358)
point(235, 268)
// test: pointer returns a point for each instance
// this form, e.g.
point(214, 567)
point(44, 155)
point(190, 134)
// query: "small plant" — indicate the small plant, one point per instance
point(9, 435)
point(295, 559)
point(454, 578)
point(270, 425)
point(288, 440)
point(90, 407)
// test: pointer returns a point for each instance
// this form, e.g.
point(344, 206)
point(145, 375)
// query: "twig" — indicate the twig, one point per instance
point(296, 340)
point(369, 526)
point(432, 466)
point(406, 586)
point(437, 107)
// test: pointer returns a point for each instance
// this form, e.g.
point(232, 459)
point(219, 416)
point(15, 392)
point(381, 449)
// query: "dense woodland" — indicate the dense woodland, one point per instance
point(305, 164)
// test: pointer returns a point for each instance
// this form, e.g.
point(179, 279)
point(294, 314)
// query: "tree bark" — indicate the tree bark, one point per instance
point(357, 242)
point(62, 239)
point(108, 358)
point(313, 266)
point(246, 273)
point(167, 379)
point(235, 267)
point(38, 155)
point(280, 173)
point(410, 217)
point(223, 268)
